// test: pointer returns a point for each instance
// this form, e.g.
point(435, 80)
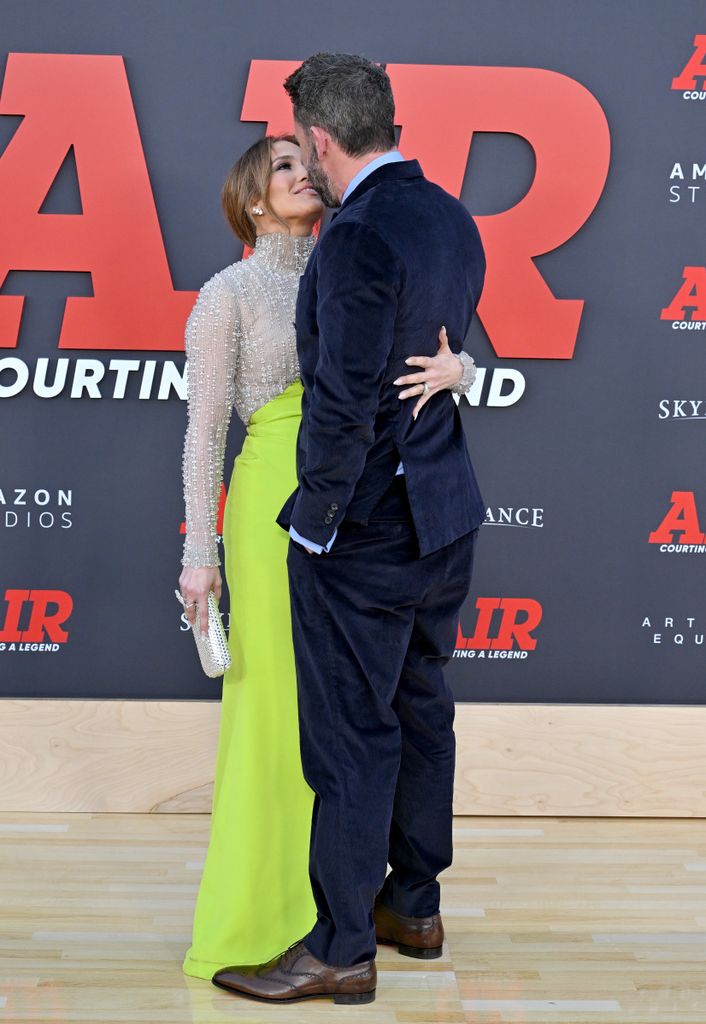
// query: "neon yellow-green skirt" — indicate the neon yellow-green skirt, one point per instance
point(255, 898)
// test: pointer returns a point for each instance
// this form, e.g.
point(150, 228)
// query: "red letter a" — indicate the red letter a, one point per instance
point(682, 518)
point(692, 293)
point(695, 67)
point(84, 101)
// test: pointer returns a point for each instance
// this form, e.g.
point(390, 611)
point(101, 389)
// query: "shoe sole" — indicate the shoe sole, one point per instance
point(418, 952)
point(338, 997)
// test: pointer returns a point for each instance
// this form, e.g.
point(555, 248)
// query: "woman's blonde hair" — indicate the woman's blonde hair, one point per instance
point(248, 180)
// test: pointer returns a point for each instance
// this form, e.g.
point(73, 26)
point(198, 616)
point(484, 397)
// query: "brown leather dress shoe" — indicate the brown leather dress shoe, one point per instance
point(296, 974)
point(421, 937)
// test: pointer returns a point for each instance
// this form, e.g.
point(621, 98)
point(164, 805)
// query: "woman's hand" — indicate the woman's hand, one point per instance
point(195, 586)
point(439, 372)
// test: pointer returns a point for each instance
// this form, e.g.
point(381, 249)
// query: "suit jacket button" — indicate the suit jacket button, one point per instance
point(333, 507)
point(328, 519)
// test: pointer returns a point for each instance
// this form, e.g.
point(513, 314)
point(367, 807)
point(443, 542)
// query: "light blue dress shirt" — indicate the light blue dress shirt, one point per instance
point(392, 156)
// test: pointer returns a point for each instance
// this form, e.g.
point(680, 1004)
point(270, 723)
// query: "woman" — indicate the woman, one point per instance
point(254, 899)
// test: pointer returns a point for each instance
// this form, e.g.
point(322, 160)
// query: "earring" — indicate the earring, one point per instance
point(258, 211)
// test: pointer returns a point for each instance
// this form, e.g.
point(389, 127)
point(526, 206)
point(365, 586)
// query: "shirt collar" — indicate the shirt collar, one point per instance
point(392, 156)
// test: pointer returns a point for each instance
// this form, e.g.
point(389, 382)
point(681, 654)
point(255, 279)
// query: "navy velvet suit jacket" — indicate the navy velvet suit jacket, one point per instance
point(400, 258)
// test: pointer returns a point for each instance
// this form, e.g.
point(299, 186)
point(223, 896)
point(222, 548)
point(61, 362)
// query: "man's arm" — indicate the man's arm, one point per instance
point(358, 282)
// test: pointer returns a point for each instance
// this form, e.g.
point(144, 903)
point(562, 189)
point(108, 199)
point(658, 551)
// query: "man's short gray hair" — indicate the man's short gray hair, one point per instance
point(348, 96)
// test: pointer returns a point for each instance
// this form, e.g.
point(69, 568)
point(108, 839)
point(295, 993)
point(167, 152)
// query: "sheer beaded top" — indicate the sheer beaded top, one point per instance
point(241, 352)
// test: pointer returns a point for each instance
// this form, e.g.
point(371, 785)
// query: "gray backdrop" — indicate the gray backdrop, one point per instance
point(590, 454)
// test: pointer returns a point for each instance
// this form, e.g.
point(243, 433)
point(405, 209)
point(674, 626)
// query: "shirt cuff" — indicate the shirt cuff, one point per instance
point(312, 545)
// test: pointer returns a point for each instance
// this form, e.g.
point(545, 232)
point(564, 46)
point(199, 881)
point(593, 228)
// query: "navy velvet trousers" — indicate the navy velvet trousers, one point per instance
point(373, 625)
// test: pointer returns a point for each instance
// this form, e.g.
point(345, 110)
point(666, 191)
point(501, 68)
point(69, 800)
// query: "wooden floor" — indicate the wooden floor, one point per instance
point(552, 920)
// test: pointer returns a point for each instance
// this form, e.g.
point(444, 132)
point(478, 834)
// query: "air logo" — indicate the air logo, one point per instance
point(44, 614)
point(83, 102)
point(504, 628)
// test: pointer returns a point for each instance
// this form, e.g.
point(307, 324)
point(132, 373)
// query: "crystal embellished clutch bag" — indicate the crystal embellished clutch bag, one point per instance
point(212, 648)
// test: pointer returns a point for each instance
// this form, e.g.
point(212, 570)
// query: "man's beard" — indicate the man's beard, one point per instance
point(320, 180)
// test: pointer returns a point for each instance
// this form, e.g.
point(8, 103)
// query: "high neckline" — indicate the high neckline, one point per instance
point(283, 251)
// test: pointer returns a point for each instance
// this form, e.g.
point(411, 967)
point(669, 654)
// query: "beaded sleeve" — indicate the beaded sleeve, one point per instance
point(468, 375)
point(212, 343)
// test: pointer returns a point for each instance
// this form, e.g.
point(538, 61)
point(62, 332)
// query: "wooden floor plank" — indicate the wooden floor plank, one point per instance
point(548, 920)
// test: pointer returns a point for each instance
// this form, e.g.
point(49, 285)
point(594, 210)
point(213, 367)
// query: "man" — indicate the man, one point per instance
point(383, 528)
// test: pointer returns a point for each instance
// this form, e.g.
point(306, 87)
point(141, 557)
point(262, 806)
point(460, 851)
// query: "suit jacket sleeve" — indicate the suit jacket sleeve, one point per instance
point(358, 283)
